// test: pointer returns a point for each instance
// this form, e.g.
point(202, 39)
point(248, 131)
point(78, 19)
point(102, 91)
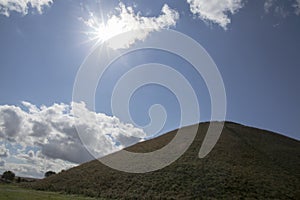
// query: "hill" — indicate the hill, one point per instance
point(245, 163)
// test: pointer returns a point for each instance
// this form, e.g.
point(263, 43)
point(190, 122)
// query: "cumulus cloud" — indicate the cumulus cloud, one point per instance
point(216, 11)
point(219, 11)
point(127, 20)
point(22, 6)
point(51, 135)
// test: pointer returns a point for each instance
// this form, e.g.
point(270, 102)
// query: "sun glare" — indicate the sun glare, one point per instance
point(101, 31)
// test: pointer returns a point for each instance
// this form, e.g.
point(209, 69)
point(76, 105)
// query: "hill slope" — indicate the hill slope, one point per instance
point(245, 163)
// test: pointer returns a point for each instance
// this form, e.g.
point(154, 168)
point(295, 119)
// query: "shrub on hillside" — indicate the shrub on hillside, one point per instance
point(49, 173)
point(8, 175)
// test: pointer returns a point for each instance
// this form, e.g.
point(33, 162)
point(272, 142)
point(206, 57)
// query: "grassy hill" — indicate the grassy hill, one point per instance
point(246, 163)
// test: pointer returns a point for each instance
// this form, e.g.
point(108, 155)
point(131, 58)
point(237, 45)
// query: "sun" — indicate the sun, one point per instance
point(103, 31)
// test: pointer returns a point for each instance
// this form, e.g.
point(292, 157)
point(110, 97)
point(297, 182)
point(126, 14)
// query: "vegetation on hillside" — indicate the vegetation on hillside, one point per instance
point(8, 175)
point(49, 173)
point(245, 163)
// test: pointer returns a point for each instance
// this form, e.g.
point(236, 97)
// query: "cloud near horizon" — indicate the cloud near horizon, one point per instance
point(127, 20)
point(36, 139)
point(22, 6)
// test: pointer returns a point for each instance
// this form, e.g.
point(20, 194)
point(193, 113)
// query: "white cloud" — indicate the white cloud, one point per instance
point(127, 20)
point(22, 6)
point(216, 11)
point(219, 11)
point(47, 137)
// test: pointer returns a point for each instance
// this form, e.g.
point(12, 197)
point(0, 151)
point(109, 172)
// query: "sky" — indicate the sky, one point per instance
point(44, 44)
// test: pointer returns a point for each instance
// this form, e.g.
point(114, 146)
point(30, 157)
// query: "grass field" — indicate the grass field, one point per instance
point(13, 192)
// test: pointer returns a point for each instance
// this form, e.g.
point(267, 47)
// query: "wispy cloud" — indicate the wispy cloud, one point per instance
point(277, 7)
point(127, 20)
point(297, 7)
point(44, 137)
point(22, 6)
point(282, 8)
point(268, 4)
point(3, 151)
point(216, 11)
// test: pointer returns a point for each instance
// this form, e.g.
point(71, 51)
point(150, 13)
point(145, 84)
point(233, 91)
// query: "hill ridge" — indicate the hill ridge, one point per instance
point(245, 163)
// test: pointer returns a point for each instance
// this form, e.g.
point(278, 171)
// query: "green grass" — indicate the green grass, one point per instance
point(13, 192)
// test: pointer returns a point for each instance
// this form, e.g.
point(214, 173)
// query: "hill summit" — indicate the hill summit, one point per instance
point(245, 163)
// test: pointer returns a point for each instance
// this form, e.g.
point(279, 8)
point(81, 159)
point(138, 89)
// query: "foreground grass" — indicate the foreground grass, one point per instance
point(13, 192)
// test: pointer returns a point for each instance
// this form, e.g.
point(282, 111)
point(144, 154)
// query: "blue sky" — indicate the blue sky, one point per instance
point(255, 45)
